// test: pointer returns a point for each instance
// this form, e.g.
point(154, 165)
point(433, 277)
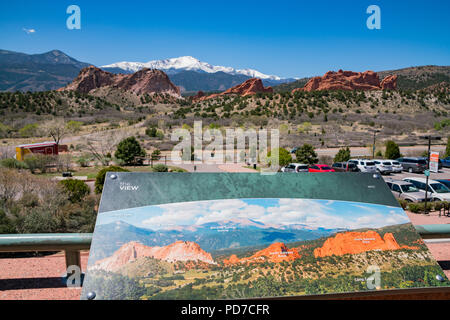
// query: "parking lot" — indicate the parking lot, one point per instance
point(444, 173)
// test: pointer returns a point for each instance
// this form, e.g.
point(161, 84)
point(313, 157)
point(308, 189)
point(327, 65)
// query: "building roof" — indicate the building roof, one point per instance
point(37, 145)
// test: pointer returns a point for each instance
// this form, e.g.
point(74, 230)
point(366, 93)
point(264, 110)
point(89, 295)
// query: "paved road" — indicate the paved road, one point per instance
point(228, 167)
point(442, 174)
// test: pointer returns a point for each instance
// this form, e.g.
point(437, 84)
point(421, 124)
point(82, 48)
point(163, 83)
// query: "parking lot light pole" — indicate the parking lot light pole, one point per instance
point(429, 138)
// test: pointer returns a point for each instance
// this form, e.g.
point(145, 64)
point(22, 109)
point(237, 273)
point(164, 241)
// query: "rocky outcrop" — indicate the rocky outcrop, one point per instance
point(357, 242)
point(276, 252)
point(141, 82)
point(249, 87)
point(198, 96)
point(177, 251)
point(389, 83)
point(349, 80)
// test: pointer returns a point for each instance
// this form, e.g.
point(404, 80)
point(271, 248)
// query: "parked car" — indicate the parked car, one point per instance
point(406, 191)
point(438, 190)
point(364, 165)
point(440, 165)
point(320, 168)
point(446, 162)
point(295, 167)
point(413, 164)
point(344, 167)
point(294, 150)
point(383, 166)
point(396, 166)
point(445, 182)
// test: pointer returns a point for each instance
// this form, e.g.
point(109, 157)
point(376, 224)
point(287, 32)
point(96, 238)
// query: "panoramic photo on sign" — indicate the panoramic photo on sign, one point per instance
point(251, 247)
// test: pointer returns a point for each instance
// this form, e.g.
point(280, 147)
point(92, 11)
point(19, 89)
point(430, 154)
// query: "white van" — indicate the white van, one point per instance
point(364, 165)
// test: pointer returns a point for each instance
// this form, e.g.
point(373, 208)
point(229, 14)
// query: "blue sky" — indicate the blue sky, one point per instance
point(285, 38)
point(270, 212)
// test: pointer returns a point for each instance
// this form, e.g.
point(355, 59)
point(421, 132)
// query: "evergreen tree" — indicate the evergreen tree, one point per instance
point(447, 149)
point(128, 149)
point(392, 150)
point(343, 155)
point(306, 154)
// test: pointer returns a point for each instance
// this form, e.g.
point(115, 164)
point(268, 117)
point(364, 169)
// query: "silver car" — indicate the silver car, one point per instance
point(295, 167)
point(407, 191)
point(396, 166)
point(383, 166)
point(364, 165)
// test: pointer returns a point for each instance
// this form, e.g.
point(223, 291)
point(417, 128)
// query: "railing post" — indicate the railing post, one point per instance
point(73, 258)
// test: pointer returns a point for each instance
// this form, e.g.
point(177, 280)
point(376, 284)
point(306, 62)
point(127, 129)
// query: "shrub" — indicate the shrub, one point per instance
point(438, 205)
point(306, 154)
point(160, 168)
point(343, 155)
point(284, 157)
point(403, 203)
point(6, 225)
point(100, 178)
point(83, 161)
point(156, 154)
point(414, 207)
point(151, 132)
point(392, 150)
point(29, 130)
point(74, 126)
point(447, 149)
point(76, 189)
point(128, 149)
point(12, 163)
point(38, 161)
point(39, 221)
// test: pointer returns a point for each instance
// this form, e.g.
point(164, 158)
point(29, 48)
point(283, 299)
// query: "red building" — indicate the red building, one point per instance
point(48, 148)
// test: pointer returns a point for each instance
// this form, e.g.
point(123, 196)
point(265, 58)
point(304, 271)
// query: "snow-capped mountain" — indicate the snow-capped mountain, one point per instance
point(187, 63)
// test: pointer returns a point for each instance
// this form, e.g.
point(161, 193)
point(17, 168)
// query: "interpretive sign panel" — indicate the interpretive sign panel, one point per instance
point(234, 236)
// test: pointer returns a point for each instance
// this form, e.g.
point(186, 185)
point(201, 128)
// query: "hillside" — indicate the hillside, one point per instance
point(37, 72)
point(416, 78)
point(322, 118)
point(413, 78)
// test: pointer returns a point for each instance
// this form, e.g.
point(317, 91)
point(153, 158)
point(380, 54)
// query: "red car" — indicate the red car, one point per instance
point(320, 168)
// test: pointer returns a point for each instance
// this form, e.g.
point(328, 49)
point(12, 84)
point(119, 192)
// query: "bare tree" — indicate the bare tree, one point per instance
point(9, 187)
point(57, 129)
point(103, 145)
point(7, 152)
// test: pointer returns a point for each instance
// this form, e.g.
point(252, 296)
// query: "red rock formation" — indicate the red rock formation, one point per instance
point(143, 81)
point(276, 252)
point(199, 95)
point(249, 87)
point(177, 251)
point(357, 242)
point(233, 260)
point(348, 80)
point(389, 83)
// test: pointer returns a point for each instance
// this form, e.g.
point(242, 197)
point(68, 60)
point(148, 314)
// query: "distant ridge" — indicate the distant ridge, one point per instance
point(37, 72)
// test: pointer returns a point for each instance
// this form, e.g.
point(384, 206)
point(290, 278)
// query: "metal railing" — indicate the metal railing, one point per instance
point(73, 243)
point(70, 243)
